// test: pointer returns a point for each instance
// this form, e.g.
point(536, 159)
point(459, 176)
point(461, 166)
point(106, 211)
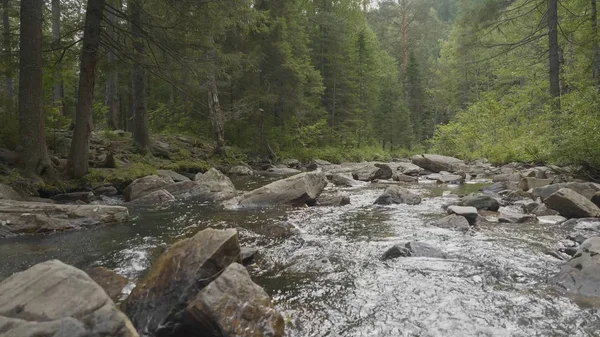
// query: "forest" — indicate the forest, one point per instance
point(339, 80)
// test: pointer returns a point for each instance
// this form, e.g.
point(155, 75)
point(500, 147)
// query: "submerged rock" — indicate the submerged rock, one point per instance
point(146, 185)
point(398, 195)
point(52, 299)
point(232, 305)
point(157, 303)
point(21, 217)
point(481, 202)
point(436, 163)
point(333, 200)
point(303, 188)
point(453, 221)
point(413, 249)
point(571, 204)
point(581, 275)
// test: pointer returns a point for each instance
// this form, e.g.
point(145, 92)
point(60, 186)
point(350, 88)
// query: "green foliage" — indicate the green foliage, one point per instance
point(124, 174)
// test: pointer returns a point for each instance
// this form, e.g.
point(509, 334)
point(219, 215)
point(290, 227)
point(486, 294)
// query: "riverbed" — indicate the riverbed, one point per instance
point(328, 279)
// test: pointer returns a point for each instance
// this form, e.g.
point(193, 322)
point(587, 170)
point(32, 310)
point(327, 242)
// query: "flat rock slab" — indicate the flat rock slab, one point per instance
point(469, 212)
point(436, 163)
point(57, 300)
point(514, 217)
point(551, 219)
point(21, 217)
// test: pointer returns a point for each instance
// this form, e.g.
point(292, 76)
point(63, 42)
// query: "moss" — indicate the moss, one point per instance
point(120, 175)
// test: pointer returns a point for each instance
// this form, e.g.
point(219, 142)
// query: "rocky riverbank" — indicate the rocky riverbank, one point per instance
point(189, 285)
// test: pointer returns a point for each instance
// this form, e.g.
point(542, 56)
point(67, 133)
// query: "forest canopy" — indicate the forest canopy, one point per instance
point(339, 80)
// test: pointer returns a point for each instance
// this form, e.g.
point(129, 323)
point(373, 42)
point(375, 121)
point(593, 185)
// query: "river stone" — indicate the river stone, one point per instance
point(450, 179)
point(52, 299)
point(528, 183)
point(185, 268)
point(283, 171)
point(371, 172)
point(513, 177)
point(581, 275)
point(495, 188)
point(247, 254)
point(303, 188)
point(409, 168)
point(241, 171)
point(527, 205)
point(232, 305)
point(583, 228)
point(596, 199)
point(342, 180)
point(72, 197)
point(436, 163)
point(173, 175)
point(481, 202)
point(588, 190)
point(8, 193)
point(543, 210)
point(108, 191)
point(507, 216)
point(551, 219)
point(212, 186)
point(413, 249)
point(571, 204)
point(403, 178)
point(469, 212)
point(333, 200)
point(397, 195)
point(110, 281)
point(155, 198)
point(291, 163)
point(142, 186)
point(453, 221)
point(21, 217)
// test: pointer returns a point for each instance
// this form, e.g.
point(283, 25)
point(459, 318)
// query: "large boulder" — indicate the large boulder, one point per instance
point(33, 217)
point(303, 188)
point(436, 163)
point(398, 195)
point(403, 178)
point(342, 180)
point(588, 190)
point(543, 210)
point(370, 172)
point(212, 186)
point(581, 275)
point(481, 202)
point(158, 302)
point(232, 305)
point(528, 183)
point(173, 175)
point(52, 299)
point(413, 249)
point(409, 169)
point(142, 186)
point(7, 193)
point(154, 198)
point(571, 204)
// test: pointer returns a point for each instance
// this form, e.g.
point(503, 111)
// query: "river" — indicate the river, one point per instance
point(328, 280)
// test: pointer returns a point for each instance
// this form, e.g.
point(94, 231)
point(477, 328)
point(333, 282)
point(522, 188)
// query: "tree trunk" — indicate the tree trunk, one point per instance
point(79, 153)
point(216, 115)
point(404, 38)
point(57, 86)
point(34, 152)
point(8, 80)
point(596, 73)
point(141, 138)
point(112, 81)
point(554, 63)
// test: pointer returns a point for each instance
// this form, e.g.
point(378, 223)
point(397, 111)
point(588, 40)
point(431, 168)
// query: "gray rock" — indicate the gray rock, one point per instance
point(371, 172)
point(108, 191)
point(282, 171)
point(7, 193)
point(247, 254)
point(453, 221)
point(543, 210)
point(581, 275)
point(22, 217)
point(436, 163)
point(481, 202)
point(514, 177)
point(333, 200)
point(551, 219)
point(469, 212)
point(527, 205)
point(583, 228)
point(303, 188)
point(86, 197)
point(588, 190)
point(571, 204)
point(155, 198)
point(514, 217)
point(342, 180)
point(403, 178)
point(596, 199)
point(173, 175)
point(212, 186)
point(528, 183)
point(142, 186)
point(157, 303)
point(495, 188)
point(398, 195)
point(161, 149)
point(52, 299)
point(408, 168)
point(232, 305)
point(450, 179)
point(241, 171)
point(291, 163)
point(110, 281)
point(413, 249)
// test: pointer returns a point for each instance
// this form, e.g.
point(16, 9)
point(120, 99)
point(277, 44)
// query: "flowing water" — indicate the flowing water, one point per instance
point(328, 280)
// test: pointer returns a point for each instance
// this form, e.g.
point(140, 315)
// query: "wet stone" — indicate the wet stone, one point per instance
point(413, 249)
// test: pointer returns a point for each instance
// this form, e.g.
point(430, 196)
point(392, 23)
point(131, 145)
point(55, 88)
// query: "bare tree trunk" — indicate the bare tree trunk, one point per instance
point(57, 86)
point(595, 44)
point(139, 79)
point(216, 115)
point(112, 81)
point(8, 59)
point(79, 153)
point(34, 152)
point(554, 62)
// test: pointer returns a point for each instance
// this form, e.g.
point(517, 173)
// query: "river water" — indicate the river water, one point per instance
point(328, 280)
